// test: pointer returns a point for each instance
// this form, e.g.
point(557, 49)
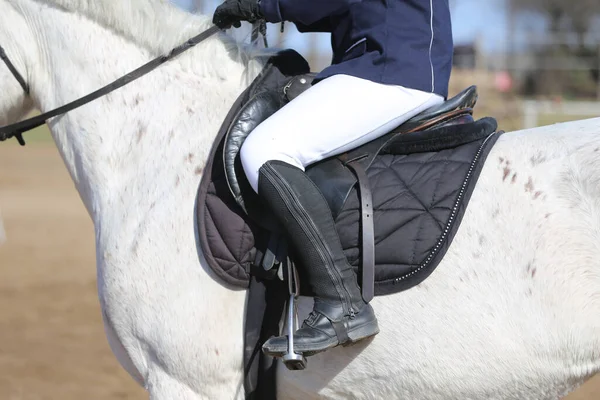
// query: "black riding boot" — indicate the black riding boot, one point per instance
point(340, 315)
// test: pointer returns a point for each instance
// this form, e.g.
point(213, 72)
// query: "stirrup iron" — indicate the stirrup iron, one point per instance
point(292, 360)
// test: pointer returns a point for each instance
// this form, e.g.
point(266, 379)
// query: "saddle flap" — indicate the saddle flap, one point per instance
point(258, 109)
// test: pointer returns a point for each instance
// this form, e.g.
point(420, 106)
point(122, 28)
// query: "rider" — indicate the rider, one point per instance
point(391, 60)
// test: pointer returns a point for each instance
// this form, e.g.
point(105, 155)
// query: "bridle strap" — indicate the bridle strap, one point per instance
point(15, 130)
point(13, 70)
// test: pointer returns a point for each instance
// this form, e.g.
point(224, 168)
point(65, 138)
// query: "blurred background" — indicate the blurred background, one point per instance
point(536, 62)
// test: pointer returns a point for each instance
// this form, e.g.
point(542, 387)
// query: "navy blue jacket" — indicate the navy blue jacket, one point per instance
point(399, 42)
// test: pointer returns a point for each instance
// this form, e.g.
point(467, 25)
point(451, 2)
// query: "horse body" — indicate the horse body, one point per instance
point(500, 315)
point(511, 312)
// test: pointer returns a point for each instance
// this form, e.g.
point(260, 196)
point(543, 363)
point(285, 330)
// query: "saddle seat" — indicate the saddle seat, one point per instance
point(332, 176)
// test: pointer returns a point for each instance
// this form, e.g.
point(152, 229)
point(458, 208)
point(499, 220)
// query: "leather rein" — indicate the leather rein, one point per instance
point(16, 130)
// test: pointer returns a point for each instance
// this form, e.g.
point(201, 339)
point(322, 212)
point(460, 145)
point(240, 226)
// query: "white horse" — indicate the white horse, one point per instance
point(512, 312)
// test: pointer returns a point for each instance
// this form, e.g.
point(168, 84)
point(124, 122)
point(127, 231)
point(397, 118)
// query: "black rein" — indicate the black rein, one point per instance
point(13, 70)
point(17, 129)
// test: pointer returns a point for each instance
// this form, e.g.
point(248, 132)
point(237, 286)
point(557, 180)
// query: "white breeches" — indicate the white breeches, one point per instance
point(335, 115)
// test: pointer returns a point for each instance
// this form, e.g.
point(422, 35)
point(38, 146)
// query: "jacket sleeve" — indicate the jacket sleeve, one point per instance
point(323, 25)
point(302, 12)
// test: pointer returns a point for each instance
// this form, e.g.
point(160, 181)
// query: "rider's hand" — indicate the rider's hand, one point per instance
point(232, 12)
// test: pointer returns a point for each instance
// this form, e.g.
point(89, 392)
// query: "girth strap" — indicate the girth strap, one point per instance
point(367, 231)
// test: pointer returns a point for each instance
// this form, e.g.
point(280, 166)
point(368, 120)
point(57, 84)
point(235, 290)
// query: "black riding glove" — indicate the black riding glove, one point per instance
point(232, 12)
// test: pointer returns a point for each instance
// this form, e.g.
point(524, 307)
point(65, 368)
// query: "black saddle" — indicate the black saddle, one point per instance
point(229, 210)
point(397, 202)
point(333, 176)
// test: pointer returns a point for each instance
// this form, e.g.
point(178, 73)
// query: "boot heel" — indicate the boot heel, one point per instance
point(361, 334)
point(368, 328)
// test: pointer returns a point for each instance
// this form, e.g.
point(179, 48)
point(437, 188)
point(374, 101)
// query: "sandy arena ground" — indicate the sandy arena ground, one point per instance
point(52, 344)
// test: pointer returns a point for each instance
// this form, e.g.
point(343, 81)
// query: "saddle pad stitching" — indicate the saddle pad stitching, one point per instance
point(437, 207)
point(226, 261)
point(351, 211)
point(450, 221)
point(401, 158)
point(379, 209)
point(242, 241)
point(385, 236)
point(416, 198)
point(408, 190)
point(447, 161)
point(220, 237)
point(378, 170)
point(438, 182)
point(395, 197)
point(415, 240)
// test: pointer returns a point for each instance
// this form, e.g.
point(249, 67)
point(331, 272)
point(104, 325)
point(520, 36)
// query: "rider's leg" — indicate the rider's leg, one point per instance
point(335, 115)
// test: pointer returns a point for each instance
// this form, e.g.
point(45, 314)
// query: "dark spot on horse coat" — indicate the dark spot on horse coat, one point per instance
point(189, 157)
point(514, 178)
point(177, 181)
point(141, 131)
point(199, 170)
point(537, 194)
point(531, 269)
point(537, 159)
point(529, 185)
point(481, 239)
point(140, 135)
point(134, 247)
point(506, 173)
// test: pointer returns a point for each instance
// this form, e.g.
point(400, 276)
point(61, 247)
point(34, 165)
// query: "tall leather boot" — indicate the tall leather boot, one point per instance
point(340, 315)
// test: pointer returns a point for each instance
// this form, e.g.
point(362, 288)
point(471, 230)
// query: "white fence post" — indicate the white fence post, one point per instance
point(533, 108)
point(530, 114)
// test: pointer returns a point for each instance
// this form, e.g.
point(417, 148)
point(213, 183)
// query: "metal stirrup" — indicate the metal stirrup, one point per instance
point(292, 360)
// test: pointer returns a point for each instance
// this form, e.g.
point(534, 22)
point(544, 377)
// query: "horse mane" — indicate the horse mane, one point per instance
point(157, 25)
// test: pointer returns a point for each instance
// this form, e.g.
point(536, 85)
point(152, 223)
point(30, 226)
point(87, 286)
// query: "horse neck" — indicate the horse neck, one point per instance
point(146, 139)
